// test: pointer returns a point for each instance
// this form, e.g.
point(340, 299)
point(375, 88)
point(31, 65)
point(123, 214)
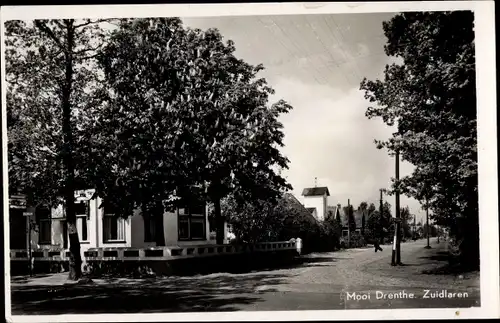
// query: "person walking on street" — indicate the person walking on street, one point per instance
point(378, 238)
point(377, 246)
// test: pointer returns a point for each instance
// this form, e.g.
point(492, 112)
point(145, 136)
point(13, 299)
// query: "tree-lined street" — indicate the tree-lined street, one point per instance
point(317, 281)
point(185, 146)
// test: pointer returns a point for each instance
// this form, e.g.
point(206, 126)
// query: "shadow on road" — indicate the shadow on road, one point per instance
point(26, 279)
point(438, 256)
point(311, 260)
point(425, 265)
point(217, 293)
point(214, 292)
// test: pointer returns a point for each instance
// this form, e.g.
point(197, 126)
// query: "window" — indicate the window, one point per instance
point(82, 211)
point(44, 225)
point(149, 229)
point(192, 223)
point(113, 226)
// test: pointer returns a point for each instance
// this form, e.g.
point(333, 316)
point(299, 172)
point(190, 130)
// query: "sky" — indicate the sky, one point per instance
point(316, 63)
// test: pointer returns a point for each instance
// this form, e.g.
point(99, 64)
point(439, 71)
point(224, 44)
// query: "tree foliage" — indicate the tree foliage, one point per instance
point(379, 226)
point(406, 222)
point(264, 220)
point(191, 114)
point(51, 92)
point(431, 98)
point(35, 74)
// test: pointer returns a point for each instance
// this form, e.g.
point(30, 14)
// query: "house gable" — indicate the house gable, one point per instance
point(316, 191)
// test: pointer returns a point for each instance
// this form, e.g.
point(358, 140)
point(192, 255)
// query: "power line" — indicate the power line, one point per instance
point(325, 47)
point(340, 44)
point(301, 50)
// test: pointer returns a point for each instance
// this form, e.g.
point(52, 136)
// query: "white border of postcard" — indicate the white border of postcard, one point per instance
point(487, 155)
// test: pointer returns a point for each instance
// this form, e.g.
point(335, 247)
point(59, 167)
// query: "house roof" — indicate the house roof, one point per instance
point(358, 215)
point(311, 209)
point(290, 197)
point(315, 191)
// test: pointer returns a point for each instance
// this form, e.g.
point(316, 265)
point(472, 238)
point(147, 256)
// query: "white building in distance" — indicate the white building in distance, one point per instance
point(315, 200)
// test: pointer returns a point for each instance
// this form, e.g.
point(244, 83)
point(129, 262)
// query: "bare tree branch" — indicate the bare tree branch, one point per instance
point(43, 27)
point(88, 50)
point(90, 57)
point(92, 22)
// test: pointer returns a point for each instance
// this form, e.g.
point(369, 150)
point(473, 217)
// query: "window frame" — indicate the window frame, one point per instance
point(81, 218)
point(187, 215)
point(119, 221)
point(39, 220)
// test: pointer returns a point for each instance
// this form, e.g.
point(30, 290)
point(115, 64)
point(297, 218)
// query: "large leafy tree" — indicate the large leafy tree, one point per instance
point(51, 93)
point(379, 225)
point(349, 213)
point(191, 114)
point(406, 221)
point(363, 207)
point(256, 221)
point(431, 97)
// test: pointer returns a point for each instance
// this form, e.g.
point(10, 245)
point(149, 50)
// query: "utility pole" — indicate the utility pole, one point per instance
point(427, 221)
point(382, 236)
point(437, 232)
point(29, 247)
point(348, 223)
point(414, 227)
point(396, 249)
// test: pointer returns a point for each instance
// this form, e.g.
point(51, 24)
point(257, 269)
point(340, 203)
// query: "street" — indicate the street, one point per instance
point(350, 279)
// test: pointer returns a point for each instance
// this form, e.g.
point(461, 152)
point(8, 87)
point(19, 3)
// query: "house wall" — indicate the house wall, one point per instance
point(134, 229)
point(170, 231)
point(58, 223)
point(318, 202)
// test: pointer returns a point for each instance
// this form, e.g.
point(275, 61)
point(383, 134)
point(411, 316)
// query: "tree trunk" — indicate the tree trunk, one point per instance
point(219, 222)
point(159, 229)
point(75, 261)
point(469, 249)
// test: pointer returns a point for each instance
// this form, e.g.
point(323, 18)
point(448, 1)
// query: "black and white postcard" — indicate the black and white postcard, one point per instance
point(214, 162)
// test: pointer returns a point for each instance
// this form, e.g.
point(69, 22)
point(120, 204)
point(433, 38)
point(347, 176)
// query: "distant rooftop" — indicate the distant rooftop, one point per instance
point(316, 191)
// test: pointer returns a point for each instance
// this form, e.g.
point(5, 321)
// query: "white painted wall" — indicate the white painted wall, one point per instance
point(137, 231)
point(134, 230)
point(318, 202)
point(170, 231)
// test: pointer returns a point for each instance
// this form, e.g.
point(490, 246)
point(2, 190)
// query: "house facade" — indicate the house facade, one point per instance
point(45, 228)
point(316, 200)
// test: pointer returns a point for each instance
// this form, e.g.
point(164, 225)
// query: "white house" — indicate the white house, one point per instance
point(99, 227)
point(315, 200)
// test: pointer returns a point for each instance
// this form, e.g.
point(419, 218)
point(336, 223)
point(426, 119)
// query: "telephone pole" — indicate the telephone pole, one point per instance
point(427, 221)
point(348, 223)
point(414, 227)
point(396, 249)
point(382, 236)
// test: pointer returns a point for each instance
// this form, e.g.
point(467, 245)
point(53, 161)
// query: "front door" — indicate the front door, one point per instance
point(18, 229)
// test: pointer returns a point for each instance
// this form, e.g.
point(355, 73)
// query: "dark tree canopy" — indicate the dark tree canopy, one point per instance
point(431, 98)
point(184, 112)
